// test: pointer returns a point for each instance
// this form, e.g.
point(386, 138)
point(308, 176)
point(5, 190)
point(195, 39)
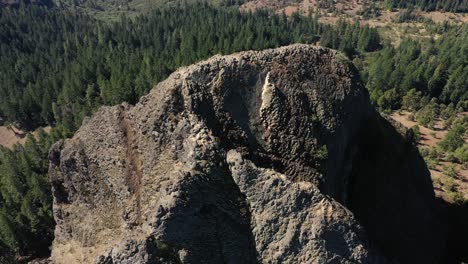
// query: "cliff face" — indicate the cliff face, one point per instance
point(272, 157)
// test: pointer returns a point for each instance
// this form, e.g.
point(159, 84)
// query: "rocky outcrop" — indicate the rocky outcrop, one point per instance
point(293, 222)
point(258, 157)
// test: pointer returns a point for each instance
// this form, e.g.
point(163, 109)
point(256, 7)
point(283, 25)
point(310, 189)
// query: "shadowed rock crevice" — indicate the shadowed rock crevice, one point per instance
point(247, 158)
point(133, 173)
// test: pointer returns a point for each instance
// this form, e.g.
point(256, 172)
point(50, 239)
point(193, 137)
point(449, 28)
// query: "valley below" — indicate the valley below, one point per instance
point(233, 131)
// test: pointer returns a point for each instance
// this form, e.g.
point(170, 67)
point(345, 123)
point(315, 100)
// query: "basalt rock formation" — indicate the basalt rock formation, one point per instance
point(274, 156)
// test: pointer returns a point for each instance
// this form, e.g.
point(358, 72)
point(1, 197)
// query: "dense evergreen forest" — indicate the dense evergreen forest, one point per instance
point(61, 69)
point(57, 66)
point(26, 222)
point(431, 5)
point(434, 68)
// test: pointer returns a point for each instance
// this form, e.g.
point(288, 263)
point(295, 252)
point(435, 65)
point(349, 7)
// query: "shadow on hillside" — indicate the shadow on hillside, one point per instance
point(391, 194)
point(456, 217)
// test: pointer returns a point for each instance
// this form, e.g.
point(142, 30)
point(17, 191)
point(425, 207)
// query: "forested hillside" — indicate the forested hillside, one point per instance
point(26, 223)
point(434, 68)
point(58, 66)
point(35, 46)
point(66, 66)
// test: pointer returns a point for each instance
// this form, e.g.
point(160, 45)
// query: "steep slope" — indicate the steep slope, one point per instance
point(247, 158)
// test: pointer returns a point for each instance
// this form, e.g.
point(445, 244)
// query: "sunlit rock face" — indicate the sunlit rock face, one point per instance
point(272, 156)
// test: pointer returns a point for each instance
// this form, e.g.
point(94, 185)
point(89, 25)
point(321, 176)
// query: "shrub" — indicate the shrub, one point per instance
point(407, 15)
point(413, 135)
point(450, 185)
point(453, 139)
point(412, 100)
point(431, 163)
point(389, 100)
point(448, 112)
point(416, 132)
point(434, 153)
point(427, 115)
point(322, 153)
point(451, 171)
point(456, 197)
point(448, 122)
point(424, 151)
point(450, 157)
point(437, 182)
point(461, 154)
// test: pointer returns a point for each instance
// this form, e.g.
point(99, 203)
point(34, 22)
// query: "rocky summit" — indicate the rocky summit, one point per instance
point(272, 156)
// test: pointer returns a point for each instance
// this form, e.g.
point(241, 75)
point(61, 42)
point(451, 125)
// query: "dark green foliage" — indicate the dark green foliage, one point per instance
point(350, 38)
point(369, 9)
point(32, 53)
point(407, 15)
point(436, 69)
point(162, 252)
point(389, 99)
point(427, 115)
point(6, 256)
point(448, 112)
point(412, 100)
point(413, 135)
point(454, 138)
point(321, 153)
point(26, 222)
point(57, 67)
point(461, 154)
point(64, 67)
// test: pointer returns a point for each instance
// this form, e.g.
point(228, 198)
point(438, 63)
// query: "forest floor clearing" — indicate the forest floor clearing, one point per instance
point(443, 183)
point(347, 9)
point(9, 136)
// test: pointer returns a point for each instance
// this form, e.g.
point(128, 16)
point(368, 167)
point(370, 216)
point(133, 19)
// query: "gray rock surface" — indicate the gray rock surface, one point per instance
point(292, 222)
point(247, 158)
